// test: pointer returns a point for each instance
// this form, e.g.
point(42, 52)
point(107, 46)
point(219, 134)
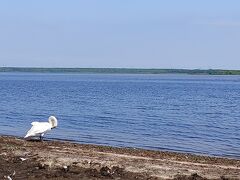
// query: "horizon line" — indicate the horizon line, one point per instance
point(140, 68)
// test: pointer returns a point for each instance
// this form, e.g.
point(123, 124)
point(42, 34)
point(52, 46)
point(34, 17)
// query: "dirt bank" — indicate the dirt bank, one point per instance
point(20, 159)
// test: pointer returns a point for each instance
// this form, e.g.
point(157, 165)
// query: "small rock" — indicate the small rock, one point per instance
point(42, 166)
point(105, 171)
point(3, 154)
point(195, 176)
point(66, 168)
point(23, 159)
point(74, 169)
point(117, 171)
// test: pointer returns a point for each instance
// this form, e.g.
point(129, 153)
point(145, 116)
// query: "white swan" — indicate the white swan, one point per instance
point(40, 128)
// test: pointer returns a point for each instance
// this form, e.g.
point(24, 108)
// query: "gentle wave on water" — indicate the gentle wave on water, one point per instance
point(196, 114)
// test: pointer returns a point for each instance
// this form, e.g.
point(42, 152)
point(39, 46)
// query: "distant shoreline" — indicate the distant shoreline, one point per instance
point(121, 71)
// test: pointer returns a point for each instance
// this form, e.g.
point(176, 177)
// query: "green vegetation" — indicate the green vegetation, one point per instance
point(121, 71)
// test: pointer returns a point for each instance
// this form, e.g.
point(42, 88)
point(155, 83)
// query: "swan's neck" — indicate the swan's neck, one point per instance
point(52, 121)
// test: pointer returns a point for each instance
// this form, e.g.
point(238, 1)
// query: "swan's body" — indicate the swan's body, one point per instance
point(40, 128)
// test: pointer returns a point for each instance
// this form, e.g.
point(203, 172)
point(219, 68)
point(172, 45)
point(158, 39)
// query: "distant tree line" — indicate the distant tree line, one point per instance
point(121, 71)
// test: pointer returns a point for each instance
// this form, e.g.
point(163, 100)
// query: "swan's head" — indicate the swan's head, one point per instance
point(53, 121)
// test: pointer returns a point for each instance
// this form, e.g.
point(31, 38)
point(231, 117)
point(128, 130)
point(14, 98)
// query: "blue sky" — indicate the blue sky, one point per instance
point(125, 33)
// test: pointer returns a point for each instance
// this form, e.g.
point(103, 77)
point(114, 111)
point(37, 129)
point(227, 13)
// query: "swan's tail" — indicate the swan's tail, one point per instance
point(27, 135)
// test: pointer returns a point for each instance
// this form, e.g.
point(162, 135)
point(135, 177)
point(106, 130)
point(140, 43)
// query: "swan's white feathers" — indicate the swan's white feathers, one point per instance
point(34, 123)
point(38, 128)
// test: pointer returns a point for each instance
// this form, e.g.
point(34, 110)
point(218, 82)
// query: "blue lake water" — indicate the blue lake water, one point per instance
point(196, 114)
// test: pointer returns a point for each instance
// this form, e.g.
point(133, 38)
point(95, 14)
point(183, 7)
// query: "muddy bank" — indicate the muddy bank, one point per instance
point(20, 159)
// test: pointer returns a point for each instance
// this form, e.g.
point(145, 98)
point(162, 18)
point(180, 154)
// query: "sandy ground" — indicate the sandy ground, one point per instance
point(21, 159)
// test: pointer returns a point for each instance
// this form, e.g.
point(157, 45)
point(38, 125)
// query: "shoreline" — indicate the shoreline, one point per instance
point(68, 160)
point(120, 71)
point(132, 148)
